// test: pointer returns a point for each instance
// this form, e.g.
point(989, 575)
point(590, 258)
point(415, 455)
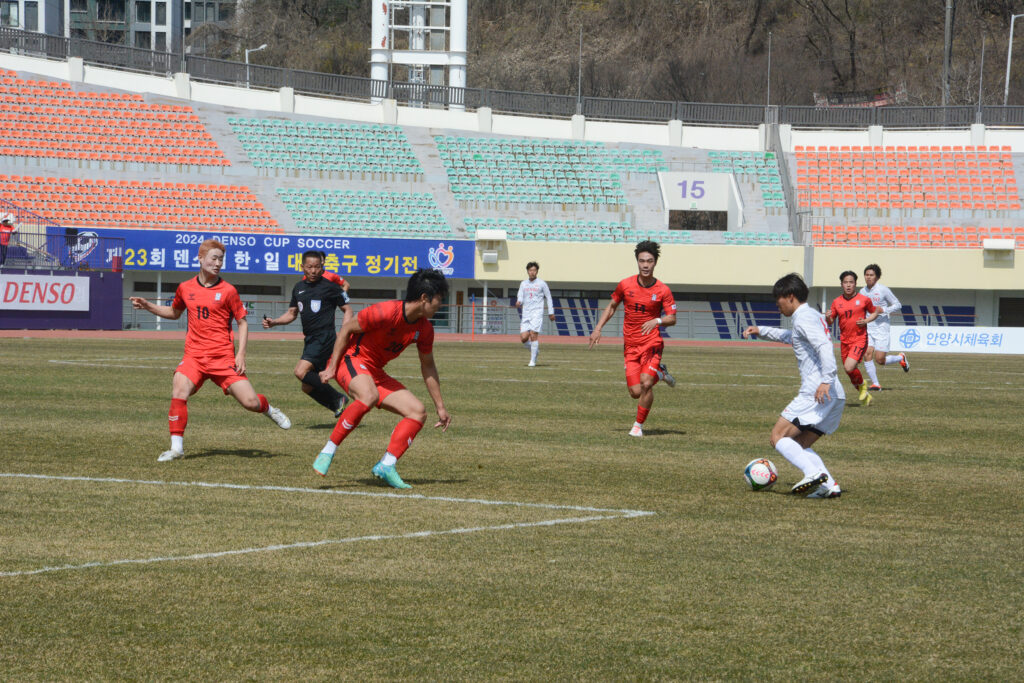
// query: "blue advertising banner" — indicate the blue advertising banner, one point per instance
point(266, 254)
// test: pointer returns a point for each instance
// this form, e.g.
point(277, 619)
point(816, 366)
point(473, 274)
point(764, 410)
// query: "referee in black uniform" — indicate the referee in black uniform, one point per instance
point(315, 298)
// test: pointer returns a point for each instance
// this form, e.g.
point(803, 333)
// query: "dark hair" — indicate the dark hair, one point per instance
point(875, 267)
point(650, 246)
point(426, 281)
point(533, 264)
point(791, 284)
point(842, 276)
point(313, 254)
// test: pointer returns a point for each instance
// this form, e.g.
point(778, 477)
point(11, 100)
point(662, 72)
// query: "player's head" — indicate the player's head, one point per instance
point(532, 268)
point(871, 274)
point(789, 292)
point(848, 279)
point(428, 286)
point(647, 253)
point(211, 256)
point(313, 265)
point(8, 219)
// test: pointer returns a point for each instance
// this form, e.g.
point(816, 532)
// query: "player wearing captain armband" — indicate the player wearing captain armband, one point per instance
point(818, 407)
point(878, 330)
point(533, 292)
point(212, 303)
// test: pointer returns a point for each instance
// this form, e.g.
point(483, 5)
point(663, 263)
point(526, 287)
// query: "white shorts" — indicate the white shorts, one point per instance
point(531, 323)
point(878, 337)
point(823, 417)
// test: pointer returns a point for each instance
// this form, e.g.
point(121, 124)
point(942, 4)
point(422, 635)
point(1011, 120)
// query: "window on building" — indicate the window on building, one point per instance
point(110, 10)
point(160, 44)
point(143, 11)
point(227, 11)
point(199, 13)
point(188, 11)
point(79, 5)
point(79, 34)
point(211, 11)
point(142, 39)
point(161, 14)
point(9, 13)
point(31, 16)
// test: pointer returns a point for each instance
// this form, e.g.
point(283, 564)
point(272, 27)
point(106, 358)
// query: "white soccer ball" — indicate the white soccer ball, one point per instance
point(760, 474)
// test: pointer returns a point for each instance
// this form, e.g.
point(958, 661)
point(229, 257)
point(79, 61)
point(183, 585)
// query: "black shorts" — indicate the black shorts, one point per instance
point(318, 350)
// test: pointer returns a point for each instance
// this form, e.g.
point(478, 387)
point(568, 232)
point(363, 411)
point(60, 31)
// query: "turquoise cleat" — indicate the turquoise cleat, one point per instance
point(323, 463)
point(390, 475)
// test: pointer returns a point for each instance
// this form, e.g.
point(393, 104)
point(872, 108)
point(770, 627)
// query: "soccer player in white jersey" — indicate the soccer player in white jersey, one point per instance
point(878, 330)
point(533, 292)
point(818, 407)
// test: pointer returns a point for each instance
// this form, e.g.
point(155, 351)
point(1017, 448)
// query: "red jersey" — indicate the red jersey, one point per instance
point(848, 312)
point(210, 311)
point(5, 234)
point(643, 304)
point(386, 333)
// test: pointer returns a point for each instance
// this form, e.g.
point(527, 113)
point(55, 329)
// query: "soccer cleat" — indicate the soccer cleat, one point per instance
point(341, 406)
point(875, 387)
point(637, 430)
point(864, 397)
point(389, 474)
point(904, 363)
point(826, 491)
point(807, 483)
point(531, 364)
point(323, 463)
point(170, 455)
point(665, 376)
point(279, 418)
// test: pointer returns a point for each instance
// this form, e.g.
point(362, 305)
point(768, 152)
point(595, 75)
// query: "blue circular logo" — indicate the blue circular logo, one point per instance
point(910, 338)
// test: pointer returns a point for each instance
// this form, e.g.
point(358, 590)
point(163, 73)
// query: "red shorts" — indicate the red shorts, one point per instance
point(349, 367)
point(643, 360)
point(855, 350)
point(220, 370)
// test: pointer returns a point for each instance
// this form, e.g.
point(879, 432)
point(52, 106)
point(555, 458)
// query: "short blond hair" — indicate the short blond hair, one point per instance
point(211, 244)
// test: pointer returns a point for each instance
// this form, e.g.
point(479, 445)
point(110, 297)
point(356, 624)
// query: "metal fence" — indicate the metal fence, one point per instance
point(501, 101)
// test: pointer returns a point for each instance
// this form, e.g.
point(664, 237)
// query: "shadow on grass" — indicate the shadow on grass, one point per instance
point(233, 453)
point(655, 432)
point(375, 483)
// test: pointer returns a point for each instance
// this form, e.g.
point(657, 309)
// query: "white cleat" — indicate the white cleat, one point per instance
point(808, 483)
point(637, 430)
point(531, 364)
point(167, 456)
point(827, 490)
point(279, 418)
point(665, 376)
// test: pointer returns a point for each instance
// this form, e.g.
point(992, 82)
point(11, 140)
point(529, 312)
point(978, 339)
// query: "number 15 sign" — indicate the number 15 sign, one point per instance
point(695, 191)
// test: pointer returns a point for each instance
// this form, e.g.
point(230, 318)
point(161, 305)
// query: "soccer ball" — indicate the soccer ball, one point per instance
point(760, 474)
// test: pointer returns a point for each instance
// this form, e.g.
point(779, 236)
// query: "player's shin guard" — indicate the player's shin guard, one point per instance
point(401, 438)
point(641, 414)
point(264, 403)
point(349, 420)
point(177, 418)
point(856, 377)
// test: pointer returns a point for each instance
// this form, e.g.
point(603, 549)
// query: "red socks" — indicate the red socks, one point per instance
point(401, 438)
point(856, 377)
point(349, 420)
point(177, 418)
point(641, 414)
point(264, 403)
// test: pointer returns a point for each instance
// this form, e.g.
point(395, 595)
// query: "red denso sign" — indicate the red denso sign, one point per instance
point(43, 293)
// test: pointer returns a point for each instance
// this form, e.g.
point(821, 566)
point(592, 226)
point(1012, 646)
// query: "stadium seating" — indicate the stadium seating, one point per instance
point(325, 146)
point(555, 230)
point(903, 236)
point(47, 119)
point(521, 170)
point(758, 238)
point(941, 178)
point(763, 166)
point(363, 213)
point(133, 203)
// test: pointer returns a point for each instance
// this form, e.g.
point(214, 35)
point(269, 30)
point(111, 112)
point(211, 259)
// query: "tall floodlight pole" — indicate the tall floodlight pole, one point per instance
point(579, 77)
point(947, 52)
point(1009, 54)
point(255, 49)
point(768, 96)
point(981, 76)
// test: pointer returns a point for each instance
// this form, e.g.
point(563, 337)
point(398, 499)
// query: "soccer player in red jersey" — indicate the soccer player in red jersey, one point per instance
point(367, 343)
point(854, 311)
point(649, 306)
point(210, 353)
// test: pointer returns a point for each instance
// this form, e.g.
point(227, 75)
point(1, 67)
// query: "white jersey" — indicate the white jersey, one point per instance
point(815, 354)
point(532, 294)
point(885, 301)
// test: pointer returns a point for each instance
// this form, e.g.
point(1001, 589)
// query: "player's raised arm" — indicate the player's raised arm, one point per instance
point(168, 312)
point(283, 319)
point(609, 311)
point(349, 328)
point(433, 382)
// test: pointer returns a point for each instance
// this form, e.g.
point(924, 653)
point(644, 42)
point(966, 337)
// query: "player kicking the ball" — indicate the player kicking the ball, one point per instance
point(649, 306)
point(368, 342)
point(209, 349)
point(818, 407)
point(853, 311)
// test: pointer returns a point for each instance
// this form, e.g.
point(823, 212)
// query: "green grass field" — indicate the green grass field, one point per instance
point(914, 574)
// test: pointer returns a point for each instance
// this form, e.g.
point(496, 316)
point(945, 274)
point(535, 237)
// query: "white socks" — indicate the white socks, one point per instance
point(329, 448)
point(891, 360)
point(388, 460)
point(534, 348)
point(869, 365)
point(799, 457)
point(818, 462)
point(178, 443)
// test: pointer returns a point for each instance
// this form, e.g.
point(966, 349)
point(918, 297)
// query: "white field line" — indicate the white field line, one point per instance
point(600, 515)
